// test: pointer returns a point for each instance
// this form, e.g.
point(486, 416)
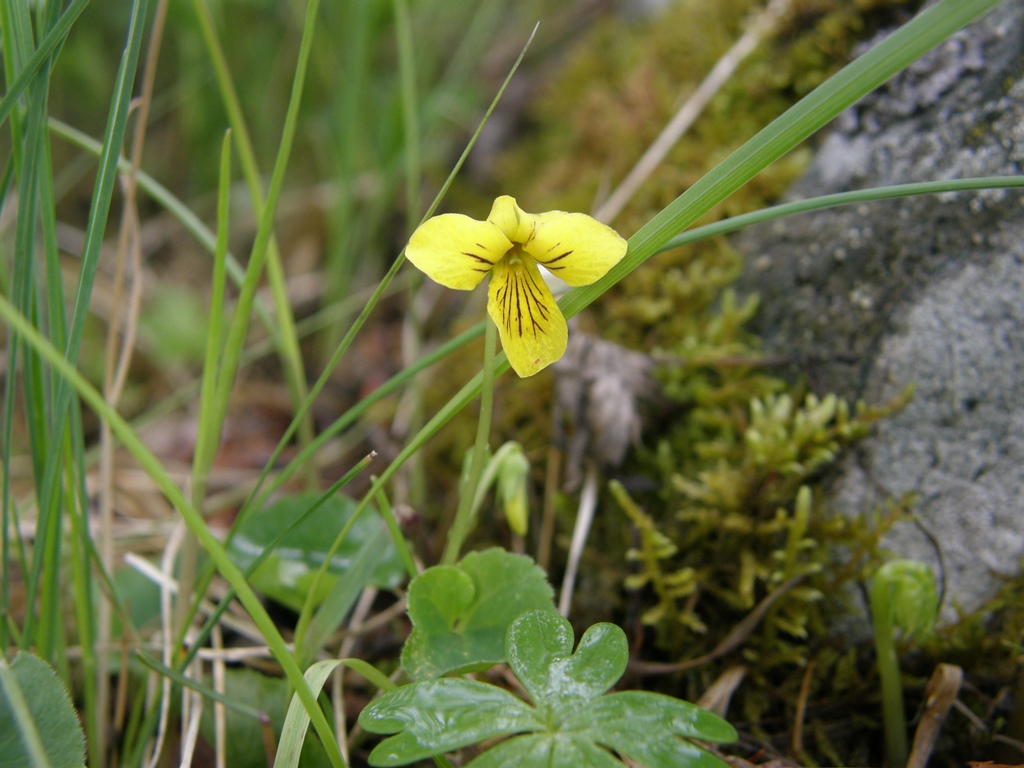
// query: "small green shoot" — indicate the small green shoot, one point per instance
point(460, 613)
point(903, 598)
point(570, 723)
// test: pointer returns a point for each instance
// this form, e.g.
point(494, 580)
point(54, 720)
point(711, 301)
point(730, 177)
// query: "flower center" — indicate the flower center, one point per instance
point(514, 257)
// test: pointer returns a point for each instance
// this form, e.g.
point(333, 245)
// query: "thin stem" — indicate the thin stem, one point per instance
point(119, 347)
point(893, 717)
point(464, 515)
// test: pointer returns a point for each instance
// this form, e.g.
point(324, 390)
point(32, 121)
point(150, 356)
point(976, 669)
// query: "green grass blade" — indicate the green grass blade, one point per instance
point(410, 112)
point(353, 414)
point(388, 514)
point(868, 195)
point(36, 208)
point(163, 196)
point(260, 249)
point(283, 333)
point(200, 640)
point(331, 613)
point(50, 42)
point(296, 722)
point(209, 427)
point(201, 688)
point(49, 487)
point(103, 189)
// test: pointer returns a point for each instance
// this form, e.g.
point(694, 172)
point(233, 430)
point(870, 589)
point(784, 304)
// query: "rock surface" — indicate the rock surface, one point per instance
point(926, 290)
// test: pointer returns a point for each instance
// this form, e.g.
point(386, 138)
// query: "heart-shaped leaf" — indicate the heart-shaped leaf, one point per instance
point(540, 653)
point(571, 725)
point(461, 613)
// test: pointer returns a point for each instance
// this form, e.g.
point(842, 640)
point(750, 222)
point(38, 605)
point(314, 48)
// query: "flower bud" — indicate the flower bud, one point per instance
point(513, 471)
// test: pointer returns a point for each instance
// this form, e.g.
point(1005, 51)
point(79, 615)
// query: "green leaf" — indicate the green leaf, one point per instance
point(461, 613)
point(436, 716)
point(546, 750)
point(571, 725)
point(138, 594)
point(287, 574)
point(35, 706)
point(645, 727)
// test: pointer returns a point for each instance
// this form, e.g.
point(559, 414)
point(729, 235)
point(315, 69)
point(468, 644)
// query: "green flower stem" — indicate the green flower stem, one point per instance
point(893, 719)
point(903, 597)
point(465, 516)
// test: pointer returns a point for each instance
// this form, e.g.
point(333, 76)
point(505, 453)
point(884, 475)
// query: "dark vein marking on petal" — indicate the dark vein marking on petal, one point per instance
point(521, 295)
point(557, 258)
point(478, 257)
point(536, 296)
point(533, 234)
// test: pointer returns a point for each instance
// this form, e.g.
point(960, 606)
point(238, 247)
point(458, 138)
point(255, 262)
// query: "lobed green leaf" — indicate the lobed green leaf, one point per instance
point(540, 653)
point(571, 725)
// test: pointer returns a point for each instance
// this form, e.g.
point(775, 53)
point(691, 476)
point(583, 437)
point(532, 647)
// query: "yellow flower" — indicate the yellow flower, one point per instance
point(457, 251)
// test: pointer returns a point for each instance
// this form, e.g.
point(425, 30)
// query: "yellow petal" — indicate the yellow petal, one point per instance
point(513, 221)
point(532, 329)
point(455, 250)
point(575, 247)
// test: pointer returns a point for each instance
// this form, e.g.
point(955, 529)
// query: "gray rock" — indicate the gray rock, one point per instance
point(925, 290)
